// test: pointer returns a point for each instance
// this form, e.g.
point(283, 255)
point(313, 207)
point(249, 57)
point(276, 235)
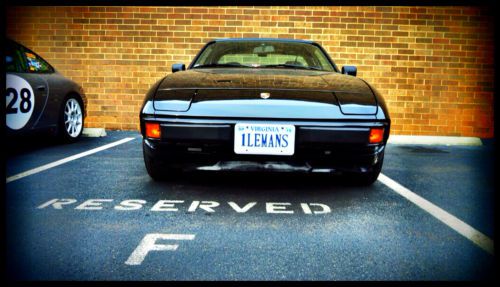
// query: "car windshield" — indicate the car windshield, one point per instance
point(263, 54)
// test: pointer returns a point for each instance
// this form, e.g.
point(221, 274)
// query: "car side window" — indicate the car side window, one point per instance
point(21, 60)
point(36, 64)
point(14, 61)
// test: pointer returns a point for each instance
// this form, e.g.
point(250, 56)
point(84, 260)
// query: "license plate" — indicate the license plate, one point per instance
point(270, 139)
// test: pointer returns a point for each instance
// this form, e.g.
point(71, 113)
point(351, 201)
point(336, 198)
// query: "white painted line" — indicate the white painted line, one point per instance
point(65, 160)
point(456, 224)
point(434, 140)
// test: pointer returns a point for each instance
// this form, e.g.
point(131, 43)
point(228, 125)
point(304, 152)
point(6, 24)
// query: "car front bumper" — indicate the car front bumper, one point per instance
point(333, 146)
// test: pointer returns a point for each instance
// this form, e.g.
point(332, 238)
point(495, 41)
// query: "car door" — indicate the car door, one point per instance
point(26, 90)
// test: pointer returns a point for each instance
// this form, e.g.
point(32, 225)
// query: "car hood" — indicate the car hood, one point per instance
point(264, 79)
point(179, 91)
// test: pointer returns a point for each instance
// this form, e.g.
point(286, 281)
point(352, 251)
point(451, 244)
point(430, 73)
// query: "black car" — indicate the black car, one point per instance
point(38, 98)
point(275, 104)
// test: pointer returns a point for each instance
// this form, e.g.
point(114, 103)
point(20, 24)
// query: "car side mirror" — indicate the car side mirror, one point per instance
point(350, 70)
point(178, 67)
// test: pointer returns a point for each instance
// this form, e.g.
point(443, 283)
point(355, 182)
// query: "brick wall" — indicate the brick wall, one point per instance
point(434, 65)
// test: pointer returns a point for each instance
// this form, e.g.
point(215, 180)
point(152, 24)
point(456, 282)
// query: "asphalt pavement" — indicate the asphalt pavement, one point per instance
point(101, 217)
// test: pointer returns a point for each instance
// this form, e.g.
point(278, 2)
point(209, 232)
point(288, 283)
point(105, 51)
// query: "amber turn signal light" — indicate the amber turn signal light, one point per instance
point(376, 135)
point(153, 130)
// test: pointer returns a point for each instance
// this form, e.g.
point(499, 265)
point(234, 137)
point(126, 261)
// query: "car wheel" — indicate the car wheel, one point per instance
point(71, 119)
point(157, 170)
point(371, 176)
point(154, 169)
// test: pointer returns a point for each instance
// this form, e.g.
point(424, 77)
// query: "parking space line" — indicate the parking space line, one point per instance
point(456, 224)
point(65, 160)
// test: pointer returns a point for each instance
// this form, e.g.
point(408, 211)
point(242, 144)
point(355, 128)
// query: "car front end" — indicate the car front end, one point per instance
point(307, 120)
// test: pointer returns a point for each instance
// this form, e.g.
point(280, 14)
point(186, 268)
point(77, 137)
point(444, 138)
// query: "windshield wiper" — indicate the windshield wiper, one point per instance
point(213, 65)
point(291, 66)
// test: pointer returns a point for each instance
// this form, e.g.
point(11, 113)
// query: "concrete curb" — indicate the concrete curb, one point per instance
point(434, 140)
point(94, 132)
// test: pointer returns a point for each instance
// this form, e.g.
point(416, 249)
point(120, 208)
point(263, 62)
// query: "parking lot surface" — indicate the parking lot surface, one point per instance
point(101, 217)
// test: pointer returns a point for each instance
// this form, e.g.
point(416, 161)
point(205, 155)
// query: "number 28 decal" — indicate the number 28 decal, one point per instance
point(20, 101)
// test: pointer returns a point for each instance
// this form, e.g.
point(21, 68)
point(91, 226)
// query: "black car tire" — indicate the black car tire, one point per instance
point(368, 178)
point(365, 178)
point(63, 133)
point(158, 171)
point(154, 170)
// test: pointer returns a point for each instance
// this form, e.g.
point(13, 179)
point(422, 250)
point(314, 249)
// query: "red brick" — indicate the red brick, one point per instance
point(420, 58)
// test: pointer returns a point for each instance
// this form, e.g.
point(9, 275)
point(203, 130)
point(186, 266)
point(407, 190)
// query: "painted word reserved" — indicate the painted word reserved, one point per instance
point(175, 205)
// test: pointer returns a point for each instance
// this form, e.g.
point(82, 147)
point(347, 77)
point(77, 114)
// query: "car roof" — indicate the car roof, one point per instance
point(10, 41)
point(264, 39)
